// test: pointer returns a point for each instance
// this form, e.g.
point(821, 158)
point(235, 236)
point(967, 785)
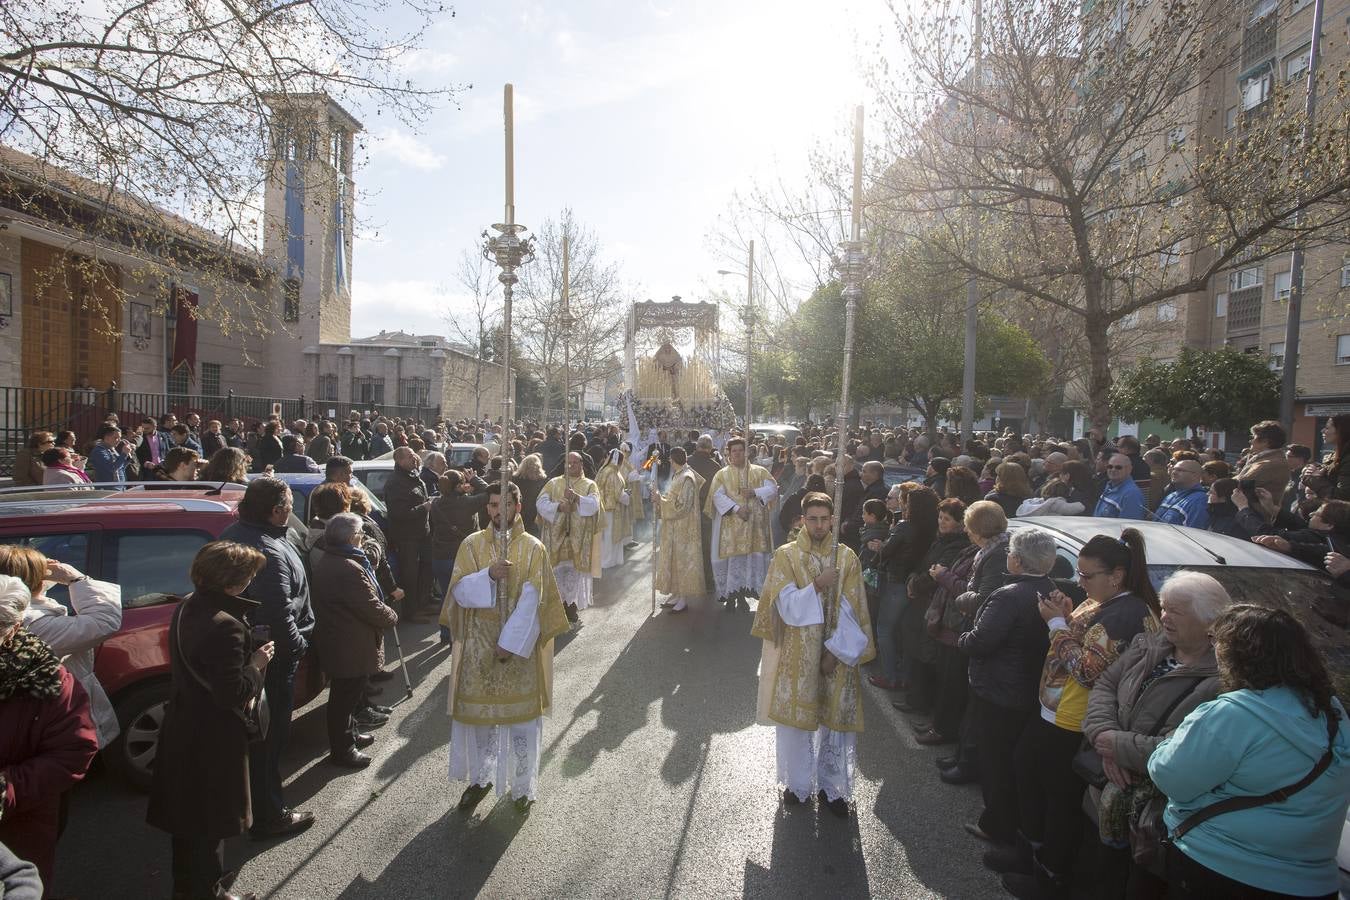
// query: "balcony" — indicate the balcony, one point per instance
point(1244, 310)
point(1259, 41)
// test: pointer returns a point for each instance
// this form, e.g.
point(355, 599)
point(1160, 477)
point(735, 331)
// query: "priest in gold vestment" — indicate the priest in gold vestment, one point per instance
point(813, 620)
point(569, 507)
point(503, 615)
point(616, 499)
point(679, 566)
point(740, 502)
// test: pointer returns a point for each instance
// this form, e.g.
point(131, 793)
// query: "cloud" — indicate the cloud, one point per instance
point(405, 149)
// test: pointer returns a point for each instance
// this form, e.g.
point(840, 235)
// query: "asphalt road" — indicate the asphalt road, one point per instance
point(655, 782)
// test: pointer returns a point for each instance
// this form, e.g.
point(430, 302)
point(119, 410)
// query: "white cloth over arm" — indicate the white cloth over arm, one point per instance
point(767, 492)
point(586, 506)
point(624, 498)
point(800, 607)
point(476, 591)
point(547, 508)
point(521, 631)
point(723, 503)
point(848, 643)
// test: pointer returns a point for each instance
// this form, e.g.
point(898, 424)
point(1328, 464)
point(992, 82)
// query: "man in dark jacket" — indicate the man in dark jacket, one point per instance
point(410, 531)
point(454, 516)
point(1007, 648)
point(354, 444)
point(281, 591)
point(552, 450)
point(293, 458)
point(873, 482)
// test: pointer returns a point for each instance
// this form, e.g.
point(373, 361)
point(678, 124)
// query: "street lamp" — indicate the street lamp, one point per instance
point(748, 317)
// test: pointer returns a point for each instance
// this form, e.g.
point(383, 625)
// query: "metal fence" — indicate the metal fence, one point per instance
point(26, 410)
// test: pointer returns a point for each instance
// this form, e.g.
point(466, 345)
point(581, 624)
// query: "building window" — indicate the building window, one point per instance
point(1345, 272)
point(1276, 355)
point(328, 387)
point(1252, 276)
point(1282, 283)
point(1130, 320)
point(178, 381)
point(1221, 306)
point(290, 300)
point(1296, 65)
point(1176, 137)
point(1263, 8)
point(210, 379)
point(1343, 349)
point(1169, 256)
point(1256, 89)
point(369, 391)
point(1138, 160)
point(1167, 311)
point(1230, 118)
point(414, 391)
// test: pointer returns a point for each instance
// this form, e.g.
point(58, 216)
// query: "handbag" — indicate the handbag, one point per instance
point(1087, 762)
point(256, 714)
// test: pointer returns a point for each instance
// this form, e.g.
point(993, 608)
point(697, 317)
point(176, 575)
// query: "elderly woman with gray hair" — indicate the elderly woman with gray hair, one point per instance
point(1139, 700)
point(350, 616)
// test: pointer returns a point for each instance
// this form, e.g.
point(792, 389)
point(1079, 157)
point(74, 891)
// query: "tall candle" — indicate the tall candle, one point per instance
point(508, 113)
point(857, 172)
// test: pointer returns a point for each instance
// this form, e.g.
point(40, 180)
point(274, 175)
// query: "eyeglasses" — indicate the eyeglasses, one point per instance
point(1083, 576)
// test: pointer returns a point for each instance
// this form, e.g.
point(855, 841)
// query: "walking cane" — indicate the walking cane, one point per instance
point(403, 665)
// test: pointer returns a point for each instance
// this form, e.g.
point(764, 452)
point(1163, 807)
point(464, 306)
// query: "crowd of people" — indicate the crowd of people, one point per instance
point(1159, 722)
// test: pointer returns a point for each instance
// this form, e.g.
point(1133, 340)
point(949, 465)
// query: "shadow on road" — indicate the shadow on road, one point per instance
point(814, 854)
point(452, 857)
point(691, 663)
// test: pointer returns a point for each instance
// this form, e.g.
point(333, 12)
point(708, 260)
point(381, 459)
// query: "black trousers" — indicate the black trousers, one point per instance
point(414, 573)
point(953, 685)
point(198, 865)
point(1189, 880)
point(997, 729)
point(1049, 794)
point(344, 695)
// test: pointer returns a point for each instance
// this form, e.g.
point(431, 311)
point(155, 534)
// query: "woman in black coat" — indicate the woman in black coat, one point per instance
point(200, 793)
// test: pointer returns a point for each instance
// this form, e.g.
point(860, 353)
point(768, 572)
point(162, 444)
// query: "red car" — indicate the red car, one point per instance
point(144, 541)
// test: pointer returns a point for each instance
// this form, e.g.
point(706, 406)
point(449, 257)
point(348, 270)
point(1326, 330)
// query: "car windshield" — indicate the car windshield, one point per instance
point(376, 504)
point(1322, 606)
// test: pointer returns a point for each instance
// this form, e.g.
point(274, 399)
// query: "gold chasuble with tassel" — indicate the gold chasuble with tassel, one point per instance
point(484, 691)
point(679, 563)
point(792, 690)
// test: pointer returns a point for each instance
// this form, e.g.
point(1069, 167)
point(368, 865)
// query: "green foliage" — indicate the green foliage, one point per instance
point(1219, 390)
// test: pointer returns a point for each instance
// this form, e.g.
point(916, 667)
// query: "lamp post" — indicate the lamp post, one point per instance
point(566, 321)
point(748, 317)
point(510, 250)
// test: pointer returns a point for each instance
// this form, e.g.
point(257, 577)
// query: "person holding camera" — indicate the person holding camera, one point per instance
point(200, 794)
point(110, 455)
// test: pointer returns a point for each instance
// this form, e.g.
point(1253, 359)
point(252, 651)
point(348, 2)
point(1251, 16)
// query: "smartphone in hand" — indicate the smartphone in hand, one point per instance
point(261, 634)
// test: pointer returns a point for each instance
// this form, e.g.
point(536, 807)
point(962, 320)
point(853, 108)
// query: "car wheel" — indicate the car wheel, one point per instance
point(140, 713)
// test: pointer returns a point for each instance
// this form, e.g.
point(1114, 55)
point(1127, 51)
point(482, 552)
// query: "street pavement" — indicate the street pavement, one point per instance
point(656, 782)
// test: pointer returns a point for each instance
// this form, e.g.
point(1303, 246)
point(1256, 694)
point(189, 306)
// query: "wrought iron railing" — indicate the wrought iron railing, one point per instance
point(26, 410)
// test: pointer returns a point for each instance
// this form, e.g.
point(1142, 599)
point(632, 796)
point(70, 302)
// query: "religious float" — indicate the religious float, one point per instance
point(671, 353)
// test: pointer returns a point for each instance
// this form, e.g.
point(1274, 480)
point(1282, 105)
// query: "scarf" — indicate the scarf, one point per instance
point(359, 555)
point(74, 471)
point(28, 668)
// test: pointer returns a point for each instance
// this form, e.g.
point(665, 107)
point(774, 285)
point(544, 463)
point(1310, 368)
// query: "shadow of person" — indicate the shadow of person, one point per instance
point(814, 854)
point(452, 857)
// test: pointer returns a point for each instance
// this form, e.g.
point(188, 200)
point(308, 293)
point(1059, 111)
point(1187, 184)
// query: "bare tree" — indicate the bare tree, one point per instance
point(595, 299)
point(474, 324)
point(163, 108)
point(1091, 150)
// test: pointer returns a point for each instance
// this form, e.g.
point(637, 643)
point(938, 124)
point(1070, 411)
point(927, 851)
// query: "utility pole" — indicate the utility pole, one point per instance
point(973, 247)
point(749, 333)
point(567, 320)
point(1294, 316)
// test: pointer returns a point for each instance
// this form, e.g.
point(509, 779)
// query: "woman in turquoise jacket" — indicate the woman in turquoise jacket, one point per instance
point(1276, 721)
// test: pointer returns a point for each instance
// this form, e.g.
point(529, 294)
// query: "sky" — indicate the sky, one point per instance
point(642, 116)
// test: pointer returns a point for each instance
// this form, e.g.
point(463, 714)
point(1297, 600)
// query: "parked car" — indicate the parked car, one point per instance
point(1249, 572)
point(894, 475)
point(789, 433)
point(143, 541)
point(457, 455)
point(303, 484)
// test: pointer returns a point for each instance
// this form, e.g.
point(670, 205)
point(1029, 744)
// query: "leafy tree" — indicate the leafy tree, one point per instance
point(1219, 390)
